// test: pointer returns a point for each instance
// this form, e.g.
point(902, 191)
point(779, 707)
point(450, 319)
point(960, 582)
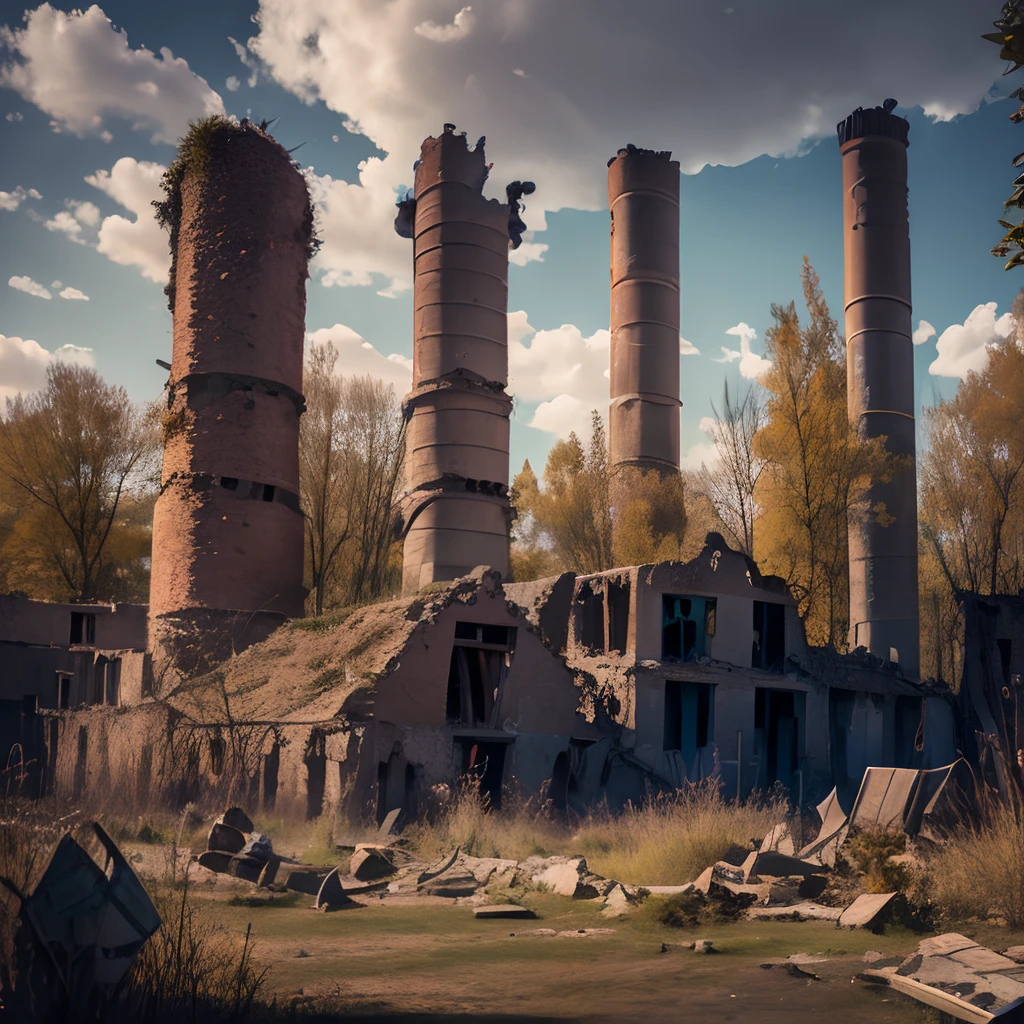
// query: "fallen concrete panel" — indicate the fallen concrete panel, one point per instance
point(799, 912)
point(868, 910)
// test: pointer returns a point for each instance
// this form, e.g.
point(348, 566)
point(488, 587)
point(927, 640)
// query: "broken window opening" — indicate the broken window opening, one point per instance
point(484, 765)
point(618, 617)
point(83, 629)
point(688, 623)
point(590, 617)
point(689, 717)
point(63, 691)
point(229, 483)
point(558, 788)
point(268, 492)
point(480, 658)
point(768, 651)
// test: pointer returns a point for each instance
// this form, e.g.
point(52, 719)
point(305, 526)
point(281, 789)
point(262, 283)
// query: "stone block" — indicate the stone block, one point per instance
point(370, 862)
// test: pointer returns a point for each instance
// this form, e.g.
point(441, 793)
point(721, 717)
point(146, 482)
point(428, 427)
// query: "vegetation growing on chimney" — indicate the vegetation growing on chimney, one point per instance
point(193, 154)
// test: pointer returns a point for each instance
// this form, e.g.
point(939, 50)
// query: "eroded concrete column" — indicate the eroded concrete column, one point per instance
point(456, 512)
point(643, 428)
point(880, 378)
point(227, 530)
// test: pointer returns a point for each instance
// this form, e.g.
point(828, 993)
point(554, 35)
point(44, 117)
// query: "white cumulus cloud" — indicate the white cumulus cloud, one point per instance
point(460, 27)
point(357, 358)
point(964, 347)
point(65, 223)
point(74, 293)
point(702, 452)
point(395, 74)
point(10, 201)
point(14, 115)
point(562, 369)
point(248, 60)
point(751, 365)
point(78, 70)
point(30, 287)
point(923, 333)
point(356, 250)
point(687, 348)
point(232, 84)
point(141, 242)
point(23, 364)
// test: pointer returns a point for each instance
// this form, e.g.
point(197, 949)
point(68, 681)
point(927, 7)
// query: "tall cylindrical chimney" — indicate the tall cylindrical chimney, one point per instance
point(456, 512)
point(880, 379)
point(227, 530)
point(643, 428)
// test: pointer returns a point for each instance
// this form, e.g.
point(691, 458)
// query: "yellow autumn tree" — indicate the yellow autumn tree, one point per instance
point(972, 478)
point(816, 469)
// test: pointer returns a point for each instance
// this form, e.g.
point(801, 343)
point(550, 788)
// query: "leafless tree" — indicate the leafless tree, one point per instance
point(731, 480)
point(351, 450)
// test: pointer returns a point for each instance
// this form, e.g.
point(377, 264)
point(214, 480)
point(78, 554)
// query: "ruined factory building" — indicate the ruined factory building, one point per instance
point(581, 688)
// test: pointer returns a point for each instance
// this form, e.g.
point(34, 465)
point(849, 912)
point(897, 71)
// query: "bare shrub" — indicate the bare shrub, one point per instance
point(192, 969)
point(869, 850)
point(979, 870)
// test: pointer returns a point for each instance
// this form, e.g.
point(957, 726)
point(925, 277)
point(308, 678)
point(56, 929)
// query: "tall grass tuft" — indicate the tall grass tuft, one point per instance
point(671, 839)
point(978, 872)
point(191, 969)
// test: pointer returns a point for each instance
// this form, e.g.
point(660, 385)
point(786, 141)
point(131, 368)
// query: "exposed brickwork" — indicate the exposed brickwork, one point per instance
point(227, 533)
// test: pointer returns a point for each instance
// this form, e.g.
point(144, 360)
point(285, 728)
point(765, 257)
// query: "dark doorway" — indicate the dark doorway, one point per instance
point(558, 792)
point(316, 773)
point(591, 616)
point(689, 714)
point(908, 722)
point(63, 691)
point(768, 652)
point(1004, 646)
point(778, 734)
point(81, 763)
point(484, 764)
point(271, 766)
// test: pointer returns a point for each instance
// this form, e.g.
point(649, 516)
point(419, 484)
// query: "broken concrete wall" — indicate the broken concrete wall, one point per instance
point(52, 624)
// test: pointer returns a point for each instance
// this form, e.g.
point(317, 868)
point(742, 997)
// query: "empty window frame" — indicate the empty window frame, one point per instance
point(63, 690)
point(689, 717)
point(481, 654)
point(687, 625)
point(618, 616)
point(83, 629)
point(590, 616)
point(768, 651)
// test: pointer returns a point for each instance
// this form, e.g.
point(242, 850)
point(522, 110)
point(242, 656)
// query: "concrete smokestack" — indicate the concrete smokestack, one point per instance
point(880, 377)
point(227, 530)
point(643, 198)
point(456, 513)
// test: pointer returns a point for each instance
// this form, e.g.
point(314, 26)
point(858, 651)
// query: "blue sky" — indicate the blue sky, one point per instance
point(747, 101)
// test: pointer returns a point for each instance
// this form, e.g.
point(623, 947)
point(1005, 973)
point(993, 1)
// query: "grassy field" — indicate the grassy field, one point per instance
point(421, 960)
